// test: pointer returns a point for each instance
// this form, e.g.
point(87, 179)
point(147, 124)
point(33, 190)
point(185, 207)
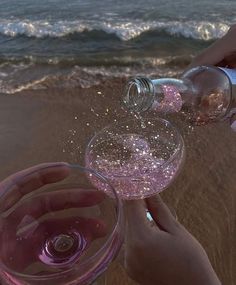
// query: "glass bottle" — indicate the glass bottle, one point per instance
point(203, 93)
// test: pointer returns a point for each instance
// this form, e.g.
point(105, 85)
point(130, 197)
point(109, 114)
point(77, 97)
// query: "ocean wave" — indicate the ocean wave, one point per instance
point(12, 64)
point(124, 29)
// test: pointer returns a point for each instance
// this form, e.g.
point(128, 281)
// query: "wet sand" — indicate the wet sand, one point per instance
point(56, 125)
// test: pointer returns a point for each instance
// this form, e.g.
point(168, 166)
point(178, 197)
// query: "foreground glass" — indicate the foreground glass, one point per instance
point(138, 157)
point(65, 232)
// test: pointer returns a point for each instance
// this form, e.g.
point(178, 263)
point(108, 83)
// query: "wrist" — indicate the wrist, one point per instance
point(206, 277)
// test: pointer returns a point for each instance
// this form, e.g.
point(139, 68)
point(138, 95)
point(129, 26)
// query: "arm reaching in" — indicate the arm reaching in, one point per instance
point(221, 53)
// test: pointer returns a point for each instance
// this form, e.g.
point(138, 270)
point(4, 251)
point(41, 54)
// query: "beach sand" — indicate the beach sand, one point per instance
point(56, 125)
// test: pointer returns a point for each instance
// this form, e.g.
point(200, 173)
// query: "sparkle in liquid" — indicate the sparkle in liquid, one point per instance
point(134, 167)
point(172, 100)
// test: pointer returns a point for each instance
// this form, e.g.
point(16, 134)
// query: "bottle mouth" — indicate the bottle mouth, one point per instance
point(138, 94)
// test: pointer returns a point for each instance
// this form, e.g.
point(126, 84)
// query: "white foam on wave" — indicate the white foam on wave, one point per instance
point(199, 30)
point(191, 29)
point(39, 28)
point(124, 29)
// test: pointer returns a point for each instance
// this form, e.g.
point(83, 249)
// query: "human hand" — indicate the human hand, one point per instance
point(23, 221)
point(165, 253)
point(221, 53)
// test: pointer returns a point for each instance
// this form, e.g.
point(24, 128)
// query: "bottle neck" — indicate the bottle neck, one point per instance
point(139, 94)
point(164, 95)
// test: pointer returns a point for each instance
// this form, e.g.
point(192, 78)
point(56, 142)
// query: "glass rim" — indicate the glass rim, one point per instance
point(180, 147)
point(117, 224)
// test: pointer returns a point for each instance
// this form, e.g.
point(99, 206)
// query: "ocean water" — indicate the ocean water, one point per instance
point(68, 43)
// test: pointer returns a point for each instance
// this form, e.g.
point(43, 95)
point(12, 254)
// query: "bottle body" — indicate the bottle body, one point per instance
point(204, 94)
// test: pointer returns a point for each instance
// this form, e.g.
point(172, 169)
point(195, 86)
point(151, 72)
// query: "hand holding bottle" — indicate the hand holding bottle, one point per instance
point(221, 53)
point(204, 93)
point(165, 253)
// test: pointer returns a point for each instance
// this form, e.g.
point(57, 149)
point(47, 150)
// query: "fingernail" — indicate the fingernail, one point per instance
point(232, 120)
point(233, 126)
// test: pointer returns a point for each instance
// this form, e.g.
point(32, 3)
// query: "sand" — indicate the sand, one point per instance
point(56, 125)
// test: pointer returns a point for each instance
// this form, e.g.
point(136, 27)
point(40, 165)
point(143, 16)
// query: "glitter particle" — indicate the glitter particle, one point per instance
point(172, 101)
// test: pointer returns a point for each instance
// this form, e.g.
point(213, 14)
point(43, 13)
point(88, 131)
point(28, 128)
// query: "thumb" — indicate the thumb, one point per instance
point(136, 218)
point(137, 229)
point(161, 214)
point(233, 122)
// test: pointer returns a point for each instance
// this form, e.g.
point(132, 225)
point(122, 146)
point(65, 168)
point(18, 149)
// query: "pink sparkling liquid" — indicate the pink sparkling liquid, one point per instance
point(133, 168)
point(172, 101)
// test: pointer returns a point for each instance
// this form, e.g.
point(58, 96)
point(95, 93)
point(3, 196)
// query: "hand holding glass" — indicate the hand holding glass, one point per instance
point(55, 228)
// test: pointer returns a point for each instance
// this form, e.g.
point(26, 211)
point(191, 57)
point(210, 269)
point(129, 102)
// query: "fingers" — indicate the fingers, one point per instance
point(161, 214)
point(88, 228)
point(233, 122)
point(17, 185)
point(51, 202)
point(136, 231)
point(136, 217)
point(229, 60)
point(137, 222)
